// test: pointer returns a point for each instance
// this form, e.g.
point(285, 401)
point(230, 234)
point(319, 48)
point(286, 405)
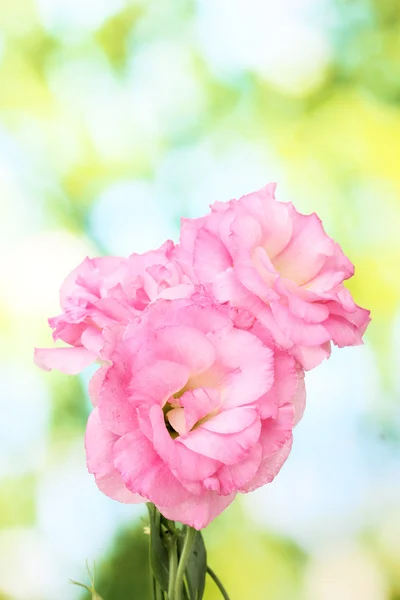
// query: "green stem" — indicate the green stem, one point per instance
point(190, 535)
point(157, 593)
point(218, 583)
point(173, 565)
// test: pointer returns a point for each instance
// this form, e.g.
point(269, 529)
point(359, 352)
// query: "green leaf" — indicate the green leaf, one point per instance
point(158, 553)
point(196, 569)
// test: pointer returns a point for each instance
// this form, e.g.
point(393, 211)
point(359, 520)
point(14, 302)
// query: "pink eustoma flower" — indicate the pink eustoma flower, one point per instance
point(262, 255)
point(191, 411)
point(105, 291)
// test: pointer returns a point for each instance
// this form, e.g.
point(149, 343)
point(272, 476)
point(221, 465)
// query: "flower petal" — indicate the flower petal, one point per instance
point(283, 388)
point(117, 413)
point(210, 256)
point(269, 467)
point(184, 345)
point(233, 478)
point(249, 374)
point(184, 463)
point(310, 357)
point(296, 329)
point(66, 360)
point(145, 473)
point(158, 381)
point(198, 511)
point(227, 448)
point(308, 250)
point(99, 444)
point(95, 384)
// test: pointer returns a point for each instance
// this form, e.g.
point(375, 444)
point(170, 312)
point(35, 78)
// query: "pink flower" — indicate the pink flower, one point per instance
point(105, 291)
point(263, 256)
point(192, 410)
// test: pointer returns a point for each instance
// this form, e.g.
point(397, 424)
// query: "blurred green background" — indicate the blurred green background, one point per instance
point(116, 118)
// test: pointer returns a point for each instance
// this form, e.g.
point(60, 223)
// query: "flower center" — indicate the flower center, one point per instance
point(166, 408)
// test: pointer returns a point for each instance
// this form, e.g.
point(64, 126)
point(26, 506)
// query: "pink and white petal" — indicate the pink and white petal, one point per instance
point(311, 312)
point(283, 388)
point(256, 279)
point(177, 420)
point(92, 339)
point(197, 511)
point(184, 463)
point(181, 290)
point(226, 448)
point(299, 398)
point(185, 250)
point(308, 250)
point(326, 280)
point(106, 311)
point(343, 332)
point(275, 432)
point(269, 467)
point(144, 472)
point(113, 486)
point(296, 329)
point(202, 313)
point(245, 232)
point(232, 420)
point(310, 357)
point(210, 256)
point(345, 299)
point(184, 345)
point(360, 317)
point(158, 381)
point(70, 286)
point(67, 331)
point(117, 412)
point(228, 289)
point(198, 403)
point(233, 478)
point(263, 265)
point(99, 444)
point(273, 216)
point(67, 360)
point(248, 365)
point(95, 384)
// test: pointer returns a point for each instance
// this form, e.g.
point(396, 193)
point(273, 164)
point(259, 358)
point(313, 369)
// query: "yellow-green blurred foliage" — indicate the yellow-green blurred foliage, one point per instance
point(116, 118)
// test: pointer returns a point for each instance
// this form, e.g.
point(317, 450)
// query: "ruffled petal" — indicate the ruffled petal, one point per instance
point(283, 388)
point(99, 444)
point(184, 463)
point(307, 252)
point(249, 374)
point(145, 473)
point(95, 384)
point(296, 329)
point(231, 478)
point(198, 511)
point(210, 256)
point(227, 448)
point(269, 467)
point(310, 357)
point(67, 360)
point(184, 345)
point(157, 381)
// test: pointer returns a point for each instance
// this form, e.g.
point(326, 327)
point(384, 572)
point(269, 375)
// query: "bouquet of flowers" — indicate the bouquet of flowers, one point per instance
point(202, 349)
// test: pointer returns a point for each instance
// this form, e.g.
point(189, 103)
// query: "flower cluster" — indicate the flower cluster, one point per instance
point(203, 348)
